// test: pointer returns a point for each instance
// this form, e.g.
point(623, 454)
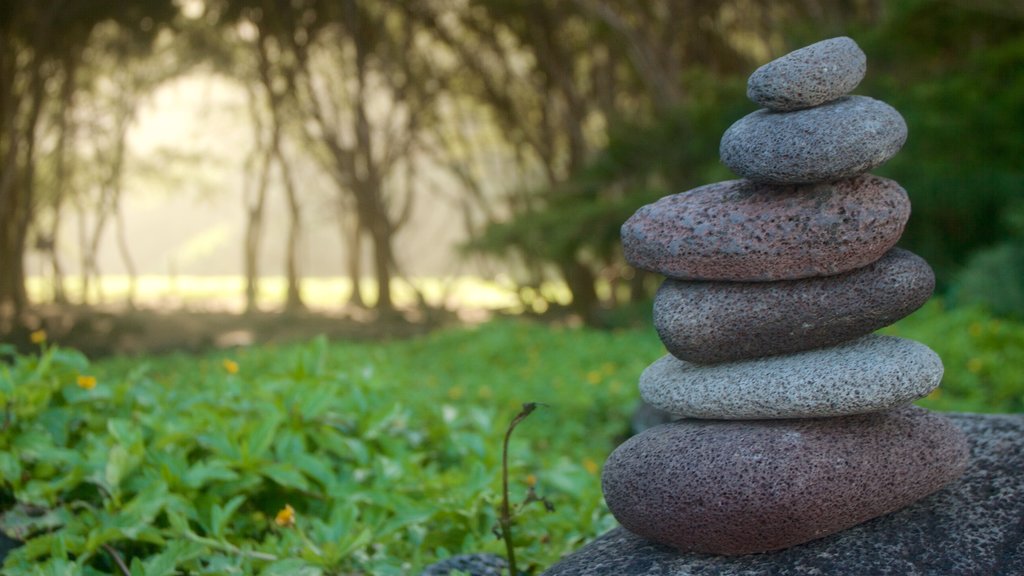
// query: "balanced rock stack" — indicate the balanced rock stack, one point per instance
point(796, 420)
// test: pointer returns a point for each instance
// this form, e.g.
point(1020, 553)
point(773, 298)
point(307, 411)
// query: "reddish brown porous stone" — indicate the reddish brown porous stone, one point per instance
point(708, 322)
point(741, 487)
point(739, 230)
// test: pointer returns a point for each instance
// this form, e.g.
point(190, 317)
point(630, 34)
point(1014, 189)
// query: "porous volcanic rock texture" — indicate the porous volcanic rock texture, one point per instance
point(835, 140)
point(869, 374)
point(809, 76)
point(746, 487)
point(710, 322)
point(742, 231)
point(973, 526)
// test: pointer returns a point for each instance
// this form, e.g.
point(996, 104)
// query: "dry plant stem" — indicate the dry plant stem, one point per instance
point(117, 560)
point(506, 515)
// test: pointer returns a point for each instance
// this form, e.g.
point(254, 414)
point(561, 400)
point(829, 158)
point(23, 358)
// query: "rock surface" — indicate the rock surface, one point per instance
point(472, 564)
point(708, 322)
point(869, 374)
point(736, 488)
point(971, 527)
point(742, 231)
point(809, 76)
point(830, 142)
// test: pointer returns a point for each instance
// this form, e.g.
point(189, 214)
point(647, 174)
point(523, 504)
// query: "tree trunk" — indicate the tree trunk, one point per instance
point(293, 300)
point(254, 205)
point(352, 236)
point(65, 142)
point(581, 282)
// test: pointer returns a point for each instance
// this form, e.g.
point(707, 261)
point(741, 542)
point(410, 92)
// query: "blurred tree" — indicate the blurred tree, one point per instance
point(366, 91)
point(261, 43)
point(35, 39)
point(953, 70)
point(557, 75)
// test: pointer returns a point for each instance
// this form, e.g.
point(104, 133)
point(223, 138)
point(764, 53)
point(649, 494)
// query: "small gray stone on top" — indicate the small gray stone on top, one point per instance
point(971, 527)
point(836, 140)
point(869, 374)
point(809, 76)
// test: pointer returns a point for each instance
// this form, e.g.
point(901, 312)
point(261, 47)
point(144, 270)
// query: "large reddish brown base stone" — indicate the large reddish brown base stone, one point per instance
point(740, 487)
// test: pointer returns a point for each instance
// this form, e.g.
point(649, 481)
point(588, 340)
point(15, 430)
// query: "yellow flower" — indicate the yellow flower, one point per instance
point(974, 329)
point(86, 382)
point(230, 365)
point(286, 517)
point(590, 465)
point(593, 377)
point(38, 337)
point(454, 393)
point(531, 480)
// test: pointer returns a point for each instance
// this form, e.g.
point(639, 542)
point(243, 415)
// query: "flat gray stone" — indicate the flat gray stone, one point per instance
point(809, 76)
point(708, 322)
point(742, 231)
point(829, 142)
point(869, 374)
point(974, 526)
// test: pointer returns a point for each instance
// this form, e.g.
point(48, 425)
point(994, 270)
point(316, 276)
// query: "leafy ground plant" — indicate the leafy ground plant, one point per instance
point(353, 459)
point(312, 459)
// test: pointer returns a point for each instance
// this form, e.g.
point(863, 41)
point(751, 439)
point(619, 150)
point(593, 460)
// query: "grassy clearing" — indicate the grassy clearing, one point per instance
point(226, 292)
point(388, 454)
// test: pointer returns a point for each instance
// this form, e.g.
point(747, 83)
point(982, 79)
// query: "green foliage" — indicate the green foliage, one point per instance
point(982, 355)
point(952, 71)
point(389, 455)
point(994, 278)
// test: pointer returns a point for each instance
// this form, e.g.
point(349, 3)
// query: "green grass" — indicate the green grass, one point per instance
point(388, 453)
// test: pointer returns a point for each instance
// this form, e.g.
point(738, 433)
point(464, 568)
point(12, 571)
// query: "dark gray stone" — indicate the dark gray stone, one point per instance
point(472, 564)
point(809, 76)
point(974, 526)
point(830, 142)
point(710, 322)
point(742, 231)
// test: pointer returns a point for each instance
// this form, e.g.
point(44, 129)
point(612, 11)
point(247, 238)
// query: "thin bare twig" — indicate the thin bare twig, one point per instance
point(117, 560)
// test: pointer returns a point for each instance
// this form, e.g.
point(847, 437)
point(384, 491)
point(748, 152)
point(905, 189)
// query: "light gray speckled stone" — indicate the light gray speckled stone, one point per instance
point(836, 140)
point(708, 322)
point(971, 527)
point(809, 76)
point(869, 374)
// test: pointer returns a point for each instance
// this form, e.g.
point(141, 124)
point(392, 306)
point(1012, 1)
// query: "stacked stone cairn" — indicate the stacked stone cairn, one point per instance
point(795, 419)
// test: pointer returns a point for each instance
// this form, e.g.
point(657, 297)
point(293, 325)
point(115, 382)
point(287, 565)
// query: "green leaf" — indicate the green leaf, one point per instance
point(286, 475)
point(23, 522)
point(204, 472)
point(119, 463)
point(10, 469)
point(262, 438)
point(220, 516)
point(291, 567)
point(166, 562)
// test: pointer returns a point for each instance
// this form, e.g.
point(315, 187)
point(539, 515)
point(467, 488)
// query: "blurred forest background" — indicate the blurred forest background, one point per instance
point(248, 159)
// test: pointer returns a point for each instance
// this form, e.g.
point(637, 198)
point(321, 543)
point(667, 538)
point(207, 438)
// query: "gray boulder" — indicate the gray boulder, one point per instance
point(974, 526)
